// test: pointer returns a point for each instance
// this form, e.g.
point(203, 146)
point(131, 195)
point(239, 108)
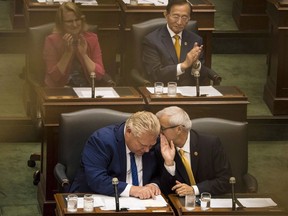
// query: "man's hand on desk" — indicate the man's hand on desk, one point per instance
point(182, 189)
point(145, 192)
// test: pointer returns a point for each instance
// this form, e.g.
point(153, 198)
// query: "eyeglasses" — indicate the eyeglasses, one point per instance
point(166, 128)
point(177, 17)
point(70, 22)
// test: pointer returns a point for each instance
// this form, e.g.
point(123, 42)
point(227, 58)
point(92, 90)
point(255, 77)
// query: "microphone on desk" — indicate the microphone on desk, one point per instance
point(93, 76)
point(196, 73)
point(232, 181)
point(115, 184)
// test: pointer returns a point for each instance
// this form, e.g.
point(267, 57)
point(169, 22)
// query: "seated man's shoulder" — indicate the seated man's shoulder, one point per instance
point(156, 32)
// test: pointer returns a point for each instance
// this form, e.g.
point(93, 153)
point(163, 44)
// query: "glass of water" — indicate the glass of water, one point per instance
point(72, 200)
point(205, 201)
point(158, 88)
point(88, 203)
point(190, 200)
point(172, 89)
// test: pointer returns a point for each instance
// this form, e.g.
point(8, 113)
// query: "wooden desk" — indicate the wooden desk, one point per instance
point(61, 210)
point(53, 102)
point(178, 206)
point(232, 105)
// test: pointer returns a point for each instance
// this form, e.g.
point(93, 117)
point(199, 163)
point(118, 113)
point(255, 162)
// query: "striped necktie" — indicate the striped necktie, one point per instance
point(187, 167)
point(177, 46)
point(134, 171)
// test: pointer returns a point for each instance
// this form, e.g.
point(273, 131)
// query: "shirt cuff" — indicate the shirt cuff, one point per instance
point(196, 190)
point(126, 192)
point(170, 169)
point(179, 71)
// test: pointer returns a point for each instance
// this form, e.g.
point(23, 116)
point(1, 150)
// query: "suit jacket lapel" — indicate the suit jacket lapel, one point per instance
point(194, 152)
point(121, 147)
point(186, 45)
point(168, 43)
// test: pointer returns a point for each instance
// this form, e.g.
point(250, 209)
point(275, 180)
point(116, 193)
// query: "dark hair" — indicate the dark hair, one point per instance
point(171, 3)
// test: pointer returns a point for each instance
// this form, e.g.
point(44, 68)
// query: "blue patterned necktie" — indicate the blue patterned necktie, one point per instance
point(134, 171)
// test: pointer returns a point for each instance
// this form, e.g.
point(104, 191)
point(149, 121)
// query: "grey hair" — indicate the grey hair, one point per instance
point(177, 116)
point(143, 122)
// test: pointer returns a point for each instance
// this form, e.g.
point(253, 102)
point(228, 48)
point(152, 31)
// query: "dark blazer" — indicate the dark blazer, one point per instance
point(210, 165)
point(160, 60)
point(104, 157)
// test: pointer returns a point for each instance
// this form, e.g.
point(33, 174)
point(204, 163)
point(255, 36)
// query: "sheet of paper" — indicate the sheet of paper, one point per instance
point(82, 2)
point(155, 2)
point(246, 202)
point(104, 92)
point(190, 91)
point(131, 203)
point(257, 202)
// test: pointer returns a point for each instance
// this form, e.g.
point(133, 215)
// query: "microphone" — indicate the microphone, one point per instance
point(93, 76)
point(115, 184)
point(232, 181)
point(196, 73)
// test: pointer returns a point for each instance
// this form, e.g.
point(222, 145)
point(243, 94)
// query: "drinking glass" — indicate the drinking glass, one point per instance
point(205, 201)
point(72, 200)
point(88, 203)
point(172, 89)
point(158, 88)
point(190, 200)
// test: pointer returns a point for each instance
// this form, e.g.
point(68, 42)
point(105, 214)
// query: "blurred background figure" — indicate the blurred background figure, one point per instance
point(71, 52)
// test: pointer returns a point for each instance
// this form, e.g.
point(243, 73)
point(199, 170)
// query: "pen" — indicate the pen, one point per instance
point(161, 2)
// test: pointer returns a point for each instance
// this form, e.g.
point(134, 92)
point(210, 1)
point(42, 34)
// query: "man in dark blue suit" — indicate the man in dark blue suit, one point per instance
point(107, 154)
point(159, 55)
point(207, 161)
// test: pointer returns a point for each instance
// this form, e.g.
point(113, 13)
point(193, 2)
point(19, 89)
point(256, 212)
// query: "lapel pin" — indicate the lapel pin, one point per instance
point(185, 43)
point(196, 153)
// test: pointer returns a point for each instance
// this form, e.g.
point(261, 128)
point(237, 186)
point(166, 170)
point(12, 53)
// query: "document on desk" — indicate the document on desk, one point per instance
point(246, 202)
point(82, 2)
point(190, 91)
point(155, 2)
point(100, 92)
point(130, 203)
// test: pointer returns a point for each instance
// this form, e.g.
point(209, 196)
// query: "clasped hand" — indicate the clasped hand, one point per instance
point(72, 42)
point(182, 189)
point(192, 56)
point(145, 192)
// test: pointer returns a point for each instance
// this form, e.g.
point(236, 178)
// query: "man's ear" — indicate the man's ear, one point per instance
point(165, 14)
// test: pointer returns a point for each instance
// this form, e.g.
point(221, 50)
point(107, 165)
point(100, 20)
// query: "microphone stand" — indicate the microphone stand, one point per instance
point(232, 181)
point(93, 76)
point(115, 184)
point(197, 75)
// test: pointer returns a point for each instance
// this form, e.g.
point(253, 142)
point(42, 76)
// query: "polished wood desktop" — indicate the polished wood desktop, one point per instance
point(53, 102)
point(179, 208)
point(61, 210)
point(232, 105)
